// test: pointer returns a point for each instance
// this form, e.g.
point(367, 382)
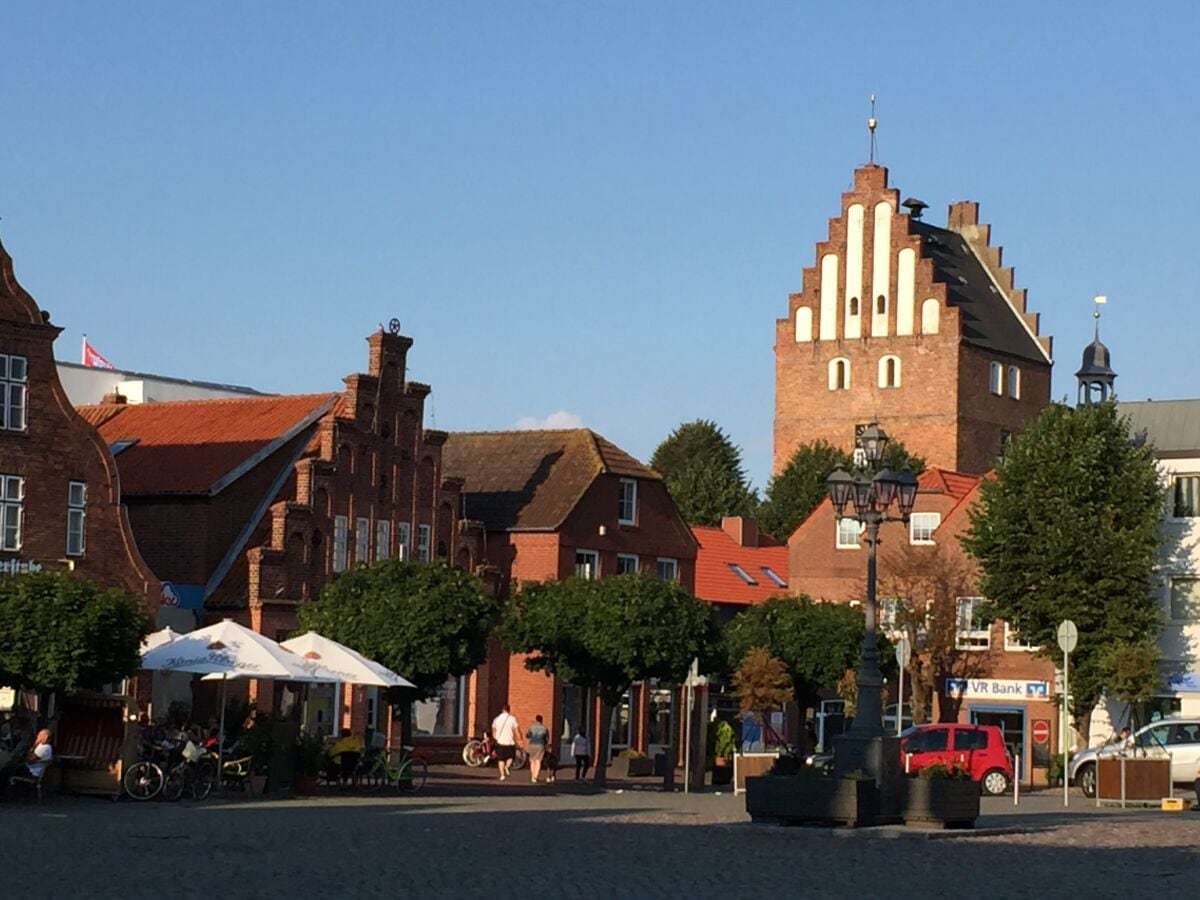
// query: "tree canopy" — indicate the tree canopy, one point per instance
point(607, 633)
point(63, 633)
point(799, 487)
point(1070, 529)
point(817, 642)
point(762, 683)
point(425, 621)
point(704, 474)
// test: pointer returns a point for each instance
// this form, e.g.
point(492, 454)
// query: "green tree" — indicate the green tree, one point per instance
point(762, 683)
point(704, 474)
point(1070, 529)
point(62, 633)
point(799, 487)
point(426, 621)
point(817, 642)
point(606, 634)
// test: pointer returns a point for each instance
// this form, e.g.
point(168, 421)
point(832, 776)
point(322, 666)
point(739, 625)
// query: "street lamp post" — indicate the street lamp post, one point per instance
point(872, 490)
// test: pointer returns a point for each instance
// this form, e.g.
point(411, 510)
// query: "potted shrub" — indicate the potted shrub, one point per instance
point(309, 760)
point(640, 765)
point(792, 792)
point(941, 795)
point(721, 752)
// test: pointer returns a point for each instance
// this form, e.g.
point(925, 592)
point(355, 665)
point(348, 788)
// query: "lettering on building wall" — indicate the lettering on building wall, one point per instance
point(1002, 688)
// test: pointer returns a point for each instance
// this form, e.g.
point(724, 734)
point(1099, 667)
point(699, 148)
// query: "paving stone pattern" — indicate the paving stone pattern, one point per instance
point(524, 840)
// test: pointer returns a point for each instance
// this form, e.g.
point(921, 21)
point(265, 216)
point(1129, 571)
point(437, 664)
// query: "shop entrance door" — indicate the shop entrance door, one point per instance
point(1011, 722)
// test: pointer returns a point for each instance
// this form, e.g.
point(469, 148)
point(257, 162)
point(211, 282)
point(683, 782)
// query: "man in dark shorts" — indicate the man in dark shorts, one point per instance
point(505, 729)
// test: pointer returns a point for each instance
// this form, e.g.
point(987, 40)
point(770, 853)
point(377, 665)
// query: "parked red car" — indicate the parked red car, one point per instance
point(977, 748)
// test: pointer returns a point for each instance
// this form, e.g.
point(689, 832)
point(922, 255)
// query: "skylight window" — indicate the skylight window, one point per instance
point(773, 575)
point(741, 573)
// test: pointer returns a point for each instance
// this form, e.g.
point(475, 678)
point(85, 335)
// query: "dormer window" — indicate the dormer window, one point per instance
point(627, 504)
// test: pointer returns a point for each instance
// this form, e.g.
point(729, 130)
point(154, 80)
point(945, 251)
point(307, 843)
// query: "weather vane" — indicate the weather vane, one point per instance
point(1098, 301)
point(871, 123)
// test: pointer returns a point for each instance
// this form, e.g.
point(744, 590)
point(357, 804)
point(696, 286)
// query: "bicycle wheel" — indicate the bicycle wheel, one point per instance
point(412, 775)
point(473, 754)
point(520, 757)
point(373, 778)
point(143, 780)
point(176, 783)
point(205, 779)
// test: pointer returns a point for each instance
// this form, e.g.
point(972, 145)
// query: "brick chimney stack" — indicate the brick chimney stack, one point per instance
point(743, 530)
point(115, 398)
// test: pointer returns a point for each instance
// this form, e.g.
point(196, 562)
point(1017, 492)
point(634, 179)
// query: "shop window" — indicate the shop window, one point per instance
point(76, 518)
point(442, 714)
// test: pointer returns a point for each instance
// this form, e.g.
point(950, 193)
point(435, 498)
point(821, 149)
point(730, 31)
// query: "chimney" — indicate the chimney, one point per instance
point(115, 398)
point(743, 530)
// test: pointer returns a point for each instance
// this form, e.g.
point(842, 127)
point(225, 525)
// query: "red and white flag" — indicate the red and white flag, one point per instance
point(92, 357)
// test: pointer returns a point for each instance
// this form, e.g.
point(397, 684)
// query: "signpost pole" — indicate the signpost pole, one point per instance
point(1068, 637)
point(903, 655)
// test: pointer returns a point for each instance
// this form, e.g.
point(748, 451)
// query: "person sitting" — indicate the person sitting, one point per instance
point(343, 756)
point(40, 754)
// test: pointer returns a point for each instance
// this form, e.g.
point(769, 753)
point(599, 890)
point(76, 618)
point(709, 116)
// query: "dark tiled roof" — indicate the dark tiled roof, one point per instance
point(188, 446)
point(531, 480)
point(1173, 426)
point(988, 320)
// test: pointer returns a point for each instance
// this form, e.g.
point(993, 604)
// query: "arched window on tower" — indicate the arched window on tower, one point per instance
point(839, 374)
point(996, 379)
point(929, 316)
point(889, 372)
point(803, 324)
point(881, 305)
point(1014, 383)
point(854, 306)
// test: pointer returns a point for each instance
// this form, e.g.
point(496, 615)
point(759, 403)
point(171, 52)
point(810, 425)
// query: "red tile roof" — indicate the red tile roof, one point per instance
point(716, 582)
point(188, 446)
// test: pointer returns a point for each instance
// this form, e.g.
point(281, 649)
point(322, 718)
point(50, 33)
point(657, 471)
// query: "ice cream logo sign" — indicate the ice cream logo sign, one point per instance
point(998, 688)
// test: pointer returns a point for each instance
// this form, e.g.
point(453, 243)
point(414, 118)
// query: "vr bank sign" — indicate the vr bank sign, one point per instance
point(1003, 688)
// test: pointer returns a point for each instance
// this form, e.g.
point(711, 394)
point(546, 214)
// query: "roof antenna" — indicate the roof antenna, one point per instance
point(871, 123)
point(1099, 301)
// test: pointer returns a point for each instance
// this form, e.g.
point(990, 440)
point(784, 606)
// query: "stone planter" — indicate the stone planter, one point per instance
point(812, 800)
point(939, 802)
point(641, 768)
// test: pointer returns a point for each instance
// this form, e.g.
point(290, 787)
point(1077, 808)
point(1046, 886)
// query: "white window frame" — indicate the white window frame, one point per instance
point(404, 540)
point(839, 542)
point(1013, 642)
point(996, 378)
point(383, 538)
point(341, 543)
point(592, 564)
point(627, 506)
point(741, 573)
point(970, 638)
point(774, 577)
point(1171, 580)
point(1014, 383)
point(12, 511)
point(424, 538)
point(76, 518)
point(14, 388)
point(666, 568)
point(923, 517)
point(362, 540)
point(628, 557)
point(883, 371)
point(1173, 499)
point(839, 374)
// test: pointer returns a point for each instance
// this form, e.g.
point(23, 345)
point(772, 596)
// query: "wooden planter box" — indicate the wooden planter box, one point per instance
point(641, 768)
point(940, 802)
point(803, 799)
point(1145, 778)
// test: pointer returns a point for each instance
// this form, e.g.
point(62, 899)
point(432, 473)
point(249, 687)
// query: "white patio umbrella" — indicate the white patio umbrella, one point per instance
point(229, 650)
point(158, 638)
point(348, 664)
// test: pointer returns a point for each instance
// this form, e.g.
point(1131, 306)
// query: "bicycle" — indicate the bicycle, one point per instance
point(196, 774)
point(409, 774)
point(144, 780)
point(482, 751)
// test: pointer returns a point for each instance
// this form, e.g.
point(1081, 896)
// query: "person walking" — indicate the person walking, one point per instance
point(505, 729)
point(538, 736)
point(581, 749)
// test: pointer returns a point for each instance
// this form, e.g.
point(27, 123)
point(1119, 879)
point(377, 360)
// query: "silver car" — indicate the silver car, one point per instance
point(1179, 737)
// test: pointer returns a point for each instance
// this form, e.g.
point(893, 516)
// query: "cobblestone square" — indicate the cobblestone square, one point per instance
point(489, 840)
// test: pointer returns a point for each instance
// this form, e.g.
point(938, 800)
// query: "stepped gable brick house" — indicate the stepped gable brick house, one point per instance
point(247, 507)
point(912, 324)
point(556, 504)
point(59, 494)
point(737, 565)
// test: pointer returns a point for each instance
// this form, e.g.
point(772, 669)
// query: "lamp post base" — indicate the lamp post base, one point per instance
point(876, 757)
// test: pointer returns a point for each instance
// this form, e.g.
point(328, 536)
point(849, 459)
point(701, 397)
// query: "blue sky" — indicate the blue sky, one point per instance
point(590, 210)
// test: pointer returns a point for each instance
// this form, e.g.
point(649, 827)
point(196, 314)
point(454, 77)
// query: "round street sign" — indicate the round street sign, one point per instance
point(1068, 636)
point(903, 651)
point(1041, 732)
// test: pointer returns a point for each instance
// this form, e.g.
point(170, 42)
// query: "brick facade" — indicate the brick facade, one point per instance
point(55, 448)
point(887, 286)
